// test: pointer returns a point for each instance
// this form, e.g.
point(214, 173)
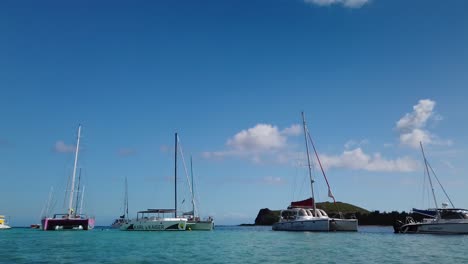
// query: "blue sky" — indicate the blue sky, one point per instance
point(373, 77)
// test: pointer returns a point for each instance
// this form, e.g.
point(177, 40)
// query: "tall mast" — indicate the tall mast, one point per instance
point(81, 203)
point(72, 189)
point(78, 192)
point(429, 177)
point(193, 198)
point(308, 161)
point(126, 199)
point(175, 176)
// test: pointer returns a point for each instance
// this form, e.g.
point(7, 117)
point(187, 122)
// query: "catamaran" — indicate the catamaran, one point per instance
point(436, 220)
point(3, 223)
point(158, 219)
point(194, 221)
point(73, 219)
point(119, 221)
point(304, 215)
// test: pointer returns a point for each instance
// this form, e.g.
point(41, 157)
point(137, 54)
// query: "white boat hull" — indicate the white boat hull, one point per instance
point(303, 225)
point(337, 224)
point(3, 226)
point(435, 228)
point(163, 224)
point(200, 225)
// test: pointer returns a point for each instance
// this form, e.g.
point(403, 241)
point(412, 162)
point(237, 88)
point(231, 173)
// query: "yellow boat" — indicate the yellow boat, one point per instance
point(3, 224)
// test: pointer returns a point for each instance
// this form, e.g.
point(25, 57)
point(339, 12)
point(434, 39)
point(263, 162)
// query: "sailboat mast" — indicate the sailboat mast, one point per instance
point(126, 199)
point(193, 198)
point(308, 161)
point(78, 192)
point(72, 189)
point(81, 202)
point(429, 177)
point(47, 208)
point(175, 176)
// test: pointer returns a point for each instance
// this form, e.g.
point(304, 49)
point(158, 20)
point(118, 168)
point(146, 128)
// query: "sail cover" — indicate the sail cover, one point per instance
point(307, 203)
point(428, 212)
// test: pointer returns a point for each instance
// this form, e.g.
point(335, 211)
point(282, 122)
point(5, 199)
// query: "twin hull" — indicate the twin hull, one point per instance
point(200, 225)
point(165, 224)
point(326, 224)
point(49, 224)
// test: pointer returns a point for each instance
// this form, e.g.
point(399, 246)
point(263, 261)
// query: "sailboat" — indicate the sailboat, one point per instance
point(304, 215)
point(119, 221)
point(436, 220)
point(158, 219)
point(72, 220)
point(194, 221)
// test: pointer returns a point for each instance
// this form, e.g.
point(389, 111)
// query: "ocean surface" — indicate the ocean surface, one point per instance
point(229, 244)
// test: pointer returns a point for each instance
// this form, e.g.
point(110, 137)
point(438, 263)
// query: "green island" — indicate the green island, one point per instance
point(268, 217)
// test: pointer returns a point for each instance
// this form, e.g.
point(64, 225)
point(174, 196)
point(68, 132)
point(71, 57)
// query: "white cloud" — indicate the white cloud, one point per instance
point(273, 180)
point(418, 118)
point(293, 130)
point(353, 143)
point(358, 160)
point(413, 126)
point(260, 138)
point(346, 3)
point(415, 136)
point(61, 147)
point(265, 142)
point(257, 143)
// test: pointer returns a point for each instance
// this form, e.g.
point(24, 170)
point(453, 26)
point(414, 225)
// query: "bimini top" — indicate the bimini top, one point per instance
point(442, 211)
point(157, 211)
point(307, 203)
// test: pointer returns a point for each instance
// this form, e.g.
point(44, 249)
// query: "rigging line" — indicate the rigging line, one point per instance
point(321, 167)
point(185, 166)
point(196, 198)
point(424, 189)
point(440, 184)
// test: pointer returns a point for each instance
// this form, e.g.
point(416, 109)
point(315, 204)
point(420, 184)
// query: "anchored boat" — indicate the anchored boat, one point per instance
point(3, 223)
point(72, 220)
point(304, 215)
point(119, 221)
point(438, 220)
point(157, 219)
point(194, 221)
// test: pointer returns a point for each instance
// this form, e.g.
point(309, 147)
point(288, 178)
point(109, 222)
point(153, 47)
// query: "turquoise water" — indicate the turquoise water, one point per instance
point(229, 244)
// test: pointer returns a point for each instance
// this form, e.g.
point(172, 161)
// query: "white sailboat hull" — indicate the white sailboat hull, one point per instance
point(337, 224)
point(162, 224)
point(303, 225)
point(436, 228)
point(200, 225)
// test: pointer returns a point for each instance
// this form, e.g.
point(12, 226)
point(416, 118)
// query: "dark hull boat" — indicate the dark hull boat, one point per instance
point(65, 223)
point(72, 220)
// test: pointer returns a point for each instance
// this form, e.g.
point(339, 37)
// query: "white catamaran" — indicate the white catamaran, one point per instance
point(157, 219)
point(438, 220)
point(194, 221)
point(304, 215)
